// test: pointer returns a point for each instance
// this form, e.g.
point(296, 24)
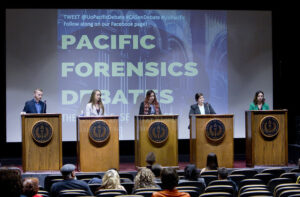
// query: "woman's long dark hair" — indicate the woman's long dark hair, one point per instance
point(256, 95)
point(93, 101)
point(148, 94)
point(212, 161)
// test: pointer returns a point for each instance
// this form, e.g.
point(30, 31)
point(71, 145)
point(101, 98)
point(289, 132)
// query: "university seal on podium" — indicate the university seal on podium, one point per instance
point(269, 126)
point(158, 132)
point(42, 132)
point(215, 130)
point(99, 132)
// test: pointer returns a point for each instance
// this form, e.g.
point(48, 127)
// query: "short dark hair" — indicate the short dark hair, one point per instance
point(156, 169)
point(223, 173)
point(198, 95)
point(191, 172)
point(212, 161)
point(150, 158)
point(169, 178)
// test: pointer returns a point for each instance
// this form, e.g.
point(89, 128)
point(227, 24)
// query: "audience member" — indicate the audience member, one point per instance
point(31, 187)
point(223, 175)
point(144, 179)
point(169, 179)
point(211, 163)
point(111, 180)
point(191, 173)
point(150, 159)
point(69, 182)
point(156, 169)
point(10, 182)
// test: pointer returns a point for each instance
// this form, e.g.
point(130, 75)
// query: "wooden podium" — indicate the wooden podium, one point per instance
point(266, 138)
point(157, 134)
point(41, 142)
point(98, 143)
point(211, 134)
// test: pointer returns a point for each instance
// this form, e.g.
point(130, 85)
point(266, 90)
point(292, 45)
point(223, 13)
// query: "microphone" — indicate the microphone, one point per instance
point(208, 108)
point(44, 110)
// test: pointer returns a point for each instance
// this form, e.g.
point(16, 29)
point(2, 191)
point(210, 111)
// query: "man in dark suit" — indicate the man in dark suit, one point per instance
point(36, 105)
point(200, 107)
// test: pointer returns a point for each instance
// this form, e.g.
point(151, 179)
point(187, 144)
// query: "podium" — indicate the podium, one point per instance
point(41, 142)
point(266, 137)
point(211, 134)
point(157, 134)
point(97, 143)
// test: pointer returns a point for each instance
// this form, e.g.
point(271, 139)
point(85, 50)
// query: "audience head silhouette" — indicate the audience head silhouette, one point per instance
point(10, 182)
point(156, 169)
point(150, 158)
point(68, 171)
point(144, 179)
point(30, 186)
point(212, 162)
point(191, 172)
point(111, 180)
point(222, 173)
point(169, 178)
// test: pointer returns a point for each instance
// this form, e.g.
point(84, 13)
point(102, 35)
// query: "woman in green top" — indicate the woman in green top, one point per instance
point(259, 102)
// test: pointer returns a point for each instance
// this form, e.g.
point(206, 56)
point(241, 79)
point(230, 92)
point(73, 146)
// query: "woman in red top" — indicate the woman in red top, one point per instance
point(31, 187)
point(169, 179)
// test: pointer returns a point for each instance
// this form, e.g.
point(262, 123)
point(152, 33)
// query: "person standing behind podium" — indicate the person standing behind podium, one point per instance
point(259, 102)
point(36, 105)
point(95, 106)
point(150, 105)
point(200, 107)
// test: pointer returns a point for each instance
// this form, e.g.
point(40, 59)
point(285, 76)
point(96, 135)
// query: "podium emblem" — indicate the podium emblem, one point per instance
point(42, 132)
point(99, 132)
point(158, 132)
point(215, 130)
point(269, 126)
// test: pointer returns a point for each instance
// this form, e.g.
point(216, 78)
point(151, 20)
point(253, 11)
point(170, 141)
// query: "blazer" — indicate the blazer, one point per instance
point(31, 109)
point(142, 109)
point(90, 110)
point(252, 106)
point(207, 107)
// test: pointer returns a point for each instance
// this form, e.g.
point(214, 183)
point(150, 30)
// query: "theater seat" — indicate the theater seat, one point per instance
point(109, 194)
point(210, 172)
point(192, 193)
point(216, 194)
point(289, 193)
point(278, 191)
point(256, 193)
point(275, 171)
point(219, 188)
point(249, 173)
point(209, 178)
point(50, 179)
point(126, 175)
point(147, 189)
point(290, 175)
point(265, 177)
point(276, 181)
point(251, 182)
point(237, 178)
point(197, 189)
point(111, 190)
point(145, 193)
